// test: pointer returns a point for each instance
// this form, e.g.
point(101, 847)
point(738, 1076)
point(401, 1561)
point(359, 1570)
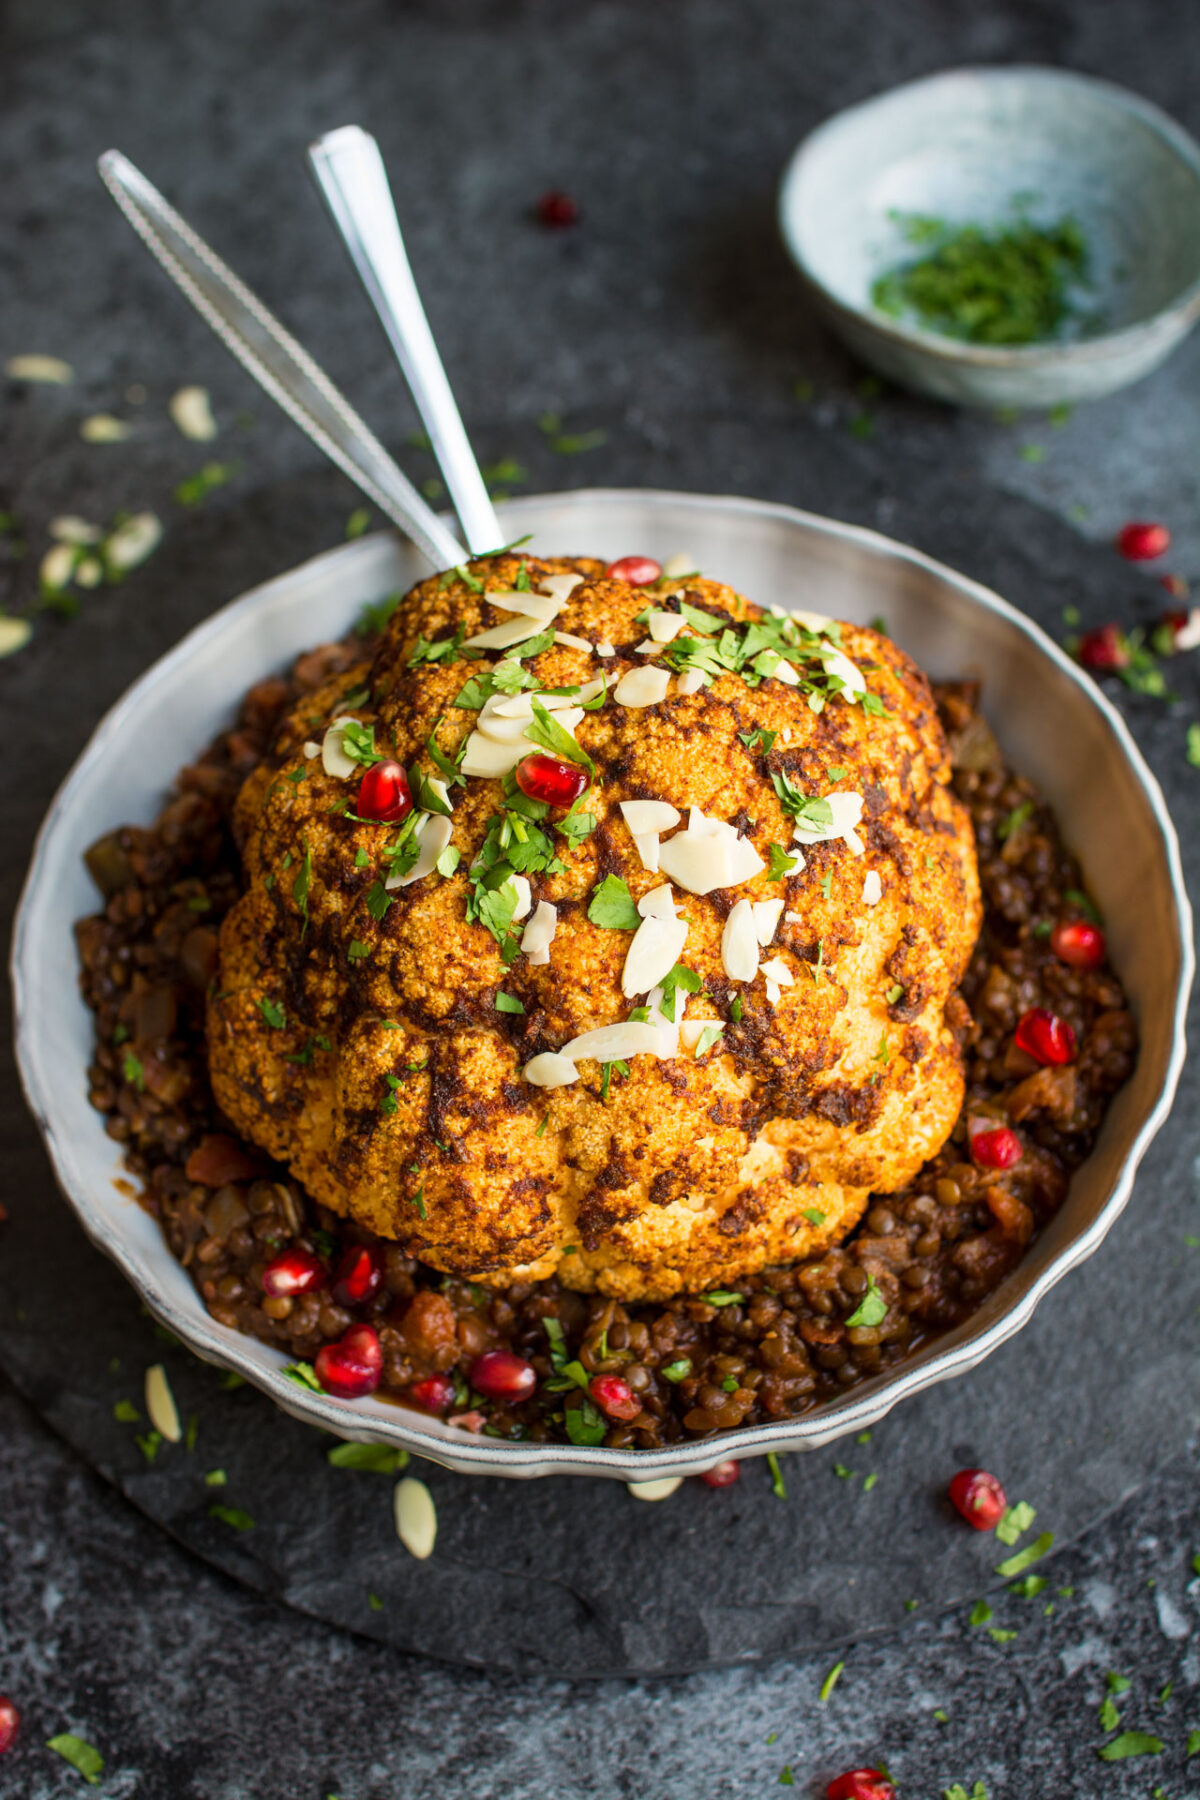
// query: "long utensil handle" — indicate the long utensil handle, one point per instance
point(278, 363)
point(350, 174)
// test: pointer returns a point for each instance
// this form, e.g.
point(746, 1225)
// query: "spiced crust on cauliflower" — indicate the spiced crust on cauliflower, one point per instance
point(386, 1042)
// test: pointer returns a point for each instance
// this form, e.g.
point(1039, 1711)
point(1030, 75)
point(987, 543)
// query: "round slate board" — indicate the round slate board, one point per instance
point(577, 1578)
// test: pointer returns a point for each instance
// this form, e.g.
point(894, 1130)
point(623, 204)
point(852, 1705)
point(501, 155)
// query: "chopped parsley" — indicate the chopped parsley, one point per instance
point(197, 487)
point(871, 1309)
point(814, 1215)
point(358, 743)
point(304, 1375)
point(273, 1013)
point(758, 740)
point(1015, 1520)
point(126, 1413)
point(735, 1009)
point(1109, 1717)
point(357, 523)
point(836, 774)
point(980, 1613)
point(378, 900)
point(301, 886)
point(708, 1037)
point(1130, 1743)
point(448, 861)
point(381, 1459)
point(830, 1682)
point(546, 730)
point(508, 1003)
point(215, 1478)
point(612, 906)
point(780, 863)
point(417, 1201)
point(723, 1297)
point(361, 859)
point(607, 1071)
point(676, 1371)
point(806, 809)
point(894, 993)
point(133, 1071)
point(150, 1443)
point(1017, 1565)
point(82, 1756)
point(232, 1516)
point(356, 950)
point(778, 1486)
point(584, 1423)
point(1193, 746)
point(1014, 820)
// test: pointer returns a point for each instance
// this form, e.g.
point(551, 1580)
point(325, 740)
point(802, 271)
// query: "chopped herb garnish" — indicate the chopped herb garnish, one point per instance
point(1013, 822)
point(545, 729)
point(894, 993)
point(837, 774)
point(215, 1478)
point(780, 863)
point(758, 740)
point(508, 1003)
point(232, 1516)
point(150, 1443)
point(999, 1636)
point(197, 487)
point(1109, 1717)
point(1015, 1520)
point(378, 900)
point(607, 1071)
point(735, 1009)
point(778, 1487)
point(584, 1423)
point(1017, 1565)
point(814, 1215)
point(417, 1200)
point(871, 1309)
point(133, 1071)
point(830, 1681)
point(376, 1605)
point(786, 1778)
point(827, 884)
point(723, 1297)
point(126, 1413)
point(304, 1375)
point(870, 1481)
point(381, 1459)
point(1130, 1743)
point(1030, 1587)
point(612, 906)
point(1117, 1684)
point(807, 809)
point(980, 1613)
point(541, 1130)
point(273, 1013)
point(679, 1370)
point(357, 523)
point(356, 950)
point(82, 1756)
point(301, 886)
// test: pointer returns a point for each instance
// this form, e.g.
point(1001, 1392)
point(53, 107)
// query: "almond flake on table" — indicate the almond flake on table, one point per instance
point(14, 634)
point(662, 1489)
point(646, 686)
point(68, 528)
point(416, 1517)
point(550, 1070)
point(51, 369)
point(160, 1404)
point(57, 567)
point(131, 542)
point(103, 428)
point(191, 410)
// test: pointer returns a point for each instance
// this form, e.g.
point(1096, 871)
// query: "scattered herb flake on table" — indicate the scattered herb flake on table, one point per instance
point(1015, 1520)
point(1016, 1565)
point(1130, 1743)
point(232, 1516)
point(830, 1681)
point(80, 1754)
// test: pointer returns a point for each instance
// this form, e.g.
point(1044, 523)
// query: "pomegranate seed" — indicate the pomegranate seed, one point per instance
point(219, 1159)
point(979, 1498)
point(1045, 1037)
point(724, 1475)
point(1141, 540)
point(1103, 649)
point(294, 1271)
point(435, 1393)
point(997, 1149)
point(1076, 942)
point(1176, 586)
point(548, 778)
point(499, 1375)
point(353, 1365)
point(861, 1784)
point(557, 209)
point(613, 1394)
point(383, 794)
point(358, 1275)
point(10, 1720)
point(638, 571)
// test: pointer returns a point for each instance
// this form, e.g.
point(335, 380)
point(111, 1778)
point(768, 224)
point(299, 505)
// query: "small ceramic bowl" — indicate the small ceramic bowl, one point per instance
point(963, 146)
point(1054, 723)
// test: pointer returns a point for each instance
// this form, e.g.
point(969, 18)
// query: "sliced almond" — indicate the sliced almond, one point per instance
point(485, 757)
point(659, 903)
point(776, 970)
point(679, 564)
point(191, 409)
point(39, 368)
point(14, 634)
point(570, 642)
point(744, 861)
point(503, 637)
point(692, 1030)
point(773, 993)
point(132, 542)
point(691, 681)
point(103, 428)
point(501, 729)
point(846, 809)
point(70, 529)
point(783, 671)
point(766, 918)
point(647, 846)
point(836, 662)
point(652, 955)
point(311, 750)
point(812, 621)
point(89, 572)
point(605, 649)
point(333, 750)
point(615, 1043)
point(58, 566)
point(160, 1404)
point(699, 864)
point(649, 815)
point(559, 587)
point(739, 943)
point(538, 935)
point(642, 687)
point(648, 647)
point(530, 606)
point(416, 1517)
point(665, 627)
point(872, 888)
point(655, 1490)
point(550, 1070)
point(524, 896)
point(794, 918)
point(432, 832)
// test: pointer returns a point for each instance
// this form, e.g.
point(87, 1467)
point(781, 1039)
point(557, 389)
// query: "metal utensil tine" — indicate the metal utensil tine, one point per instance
point(349, 172)
point(281, 366)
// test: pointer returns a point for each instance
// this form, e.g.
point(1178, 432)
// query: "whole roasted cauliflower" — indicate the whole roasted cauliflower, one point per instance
point(763, 903)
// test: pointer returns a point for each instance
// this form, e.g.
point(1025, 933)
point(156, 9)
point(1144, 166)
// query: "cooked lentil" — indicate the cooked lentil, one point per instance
point(781, 1346)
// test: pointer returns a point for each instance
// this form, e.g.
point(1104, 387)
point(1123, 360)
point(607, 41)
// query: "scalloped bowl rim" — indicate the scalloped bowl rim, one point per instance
point(954, 1353)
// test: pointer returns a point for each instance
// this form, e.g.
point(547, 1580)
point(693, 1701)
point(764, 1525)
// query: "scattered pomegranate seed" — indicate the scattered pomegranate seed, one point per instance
point(1176, 586)
point(10, 1720)
point(550, 779)
point(724, 1475)
point(353, 1365)
point(499, 1375)
point(613, 1395)
point(435, 1393)
point(996, 1149)
point(358, 1275)
point(861, 1784)
point(638, 571)
point(979, 1498)
point(1045, 1037)
point(219, 1159)
point(1076, 942)
point(1142, 540)
point(1104, 649)
point(383, 793)
point(294, 1271)
point(557, 209)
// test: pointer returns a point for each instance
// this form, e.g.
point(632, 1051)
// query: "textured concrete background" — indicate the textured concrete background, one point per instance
point(669, 320)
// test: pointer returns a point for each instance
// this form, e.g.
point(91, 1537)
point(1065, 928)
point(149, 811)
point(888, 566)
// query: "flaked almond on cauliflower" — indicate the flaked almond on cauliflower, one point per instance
point(669, 1029)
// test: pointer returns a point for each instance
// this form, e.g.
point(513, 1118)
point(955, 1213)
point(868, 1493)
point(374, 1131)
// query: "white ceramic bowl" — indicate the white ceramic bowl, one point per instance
point(959, 146)
point(1054, 723)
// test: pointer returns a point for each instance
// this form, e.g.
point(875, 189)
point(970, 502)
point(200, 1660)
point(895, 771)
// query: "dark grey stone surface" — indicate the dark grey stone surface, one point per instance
point(670, 319)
